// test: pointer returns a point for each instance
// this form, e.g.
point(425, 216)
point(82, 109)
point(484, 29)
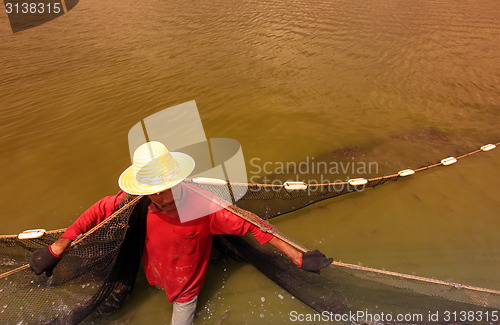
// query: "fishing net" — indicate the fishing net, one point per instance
point(98, 271)
point(269, 201)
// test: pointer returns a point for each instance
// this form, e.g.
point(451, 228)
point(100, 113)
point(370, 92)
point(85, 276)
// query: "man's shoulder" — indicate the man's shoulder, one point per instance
point(113, 201)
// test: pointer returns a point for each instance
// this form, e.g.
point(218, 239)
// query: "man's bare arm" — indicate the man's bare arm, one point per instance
point(60, 245)
point(289, 250)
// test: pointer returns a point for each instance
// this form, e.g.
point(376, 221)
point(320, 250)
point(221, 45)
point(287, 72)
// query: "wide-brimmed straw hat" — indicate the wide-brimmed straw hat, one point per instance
point(155, 169)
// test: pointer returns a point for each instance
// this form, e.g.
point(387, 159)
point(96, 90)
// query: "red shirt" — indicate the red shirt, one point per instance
point(176, 254)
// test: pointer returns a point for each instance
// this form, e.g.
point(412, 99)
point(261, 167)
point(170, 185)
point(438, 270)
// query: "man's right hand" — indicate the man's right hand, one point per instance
point(44, 260)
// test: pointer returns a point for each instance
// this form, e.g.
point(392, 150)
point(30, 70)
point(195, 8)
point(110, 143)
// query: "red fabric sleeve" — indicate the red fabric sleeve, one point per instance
point(93, 216)
point(224, 222)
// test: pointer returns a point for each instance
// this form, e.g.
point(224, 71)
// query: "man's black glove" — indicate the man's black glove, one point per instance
point(43, 260)
point(313, 261)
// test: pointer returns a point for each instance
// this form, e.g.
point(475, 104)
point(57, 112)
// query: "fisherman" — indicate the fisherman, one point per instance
point(176, 253)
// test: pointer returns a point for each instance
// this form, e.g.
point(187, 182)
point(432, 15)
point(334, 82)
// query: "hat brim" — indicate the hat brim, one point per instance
point(128, 181)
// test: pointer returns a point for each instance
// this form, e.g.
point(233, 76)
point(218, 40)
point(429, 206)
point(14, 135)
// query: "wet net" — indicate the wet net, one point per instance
point(98, 272)
point(343, 288)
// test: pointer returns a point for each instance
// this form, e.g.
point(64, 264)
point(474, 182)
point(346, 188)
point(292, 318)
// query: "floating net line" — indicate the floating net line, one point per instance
point(272, 200)
point(98, 271)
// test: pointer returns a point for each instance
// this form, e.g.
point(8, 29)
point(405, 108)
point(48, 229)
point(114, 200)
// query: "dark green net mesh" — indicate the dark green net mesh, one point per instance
point(97, 273)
